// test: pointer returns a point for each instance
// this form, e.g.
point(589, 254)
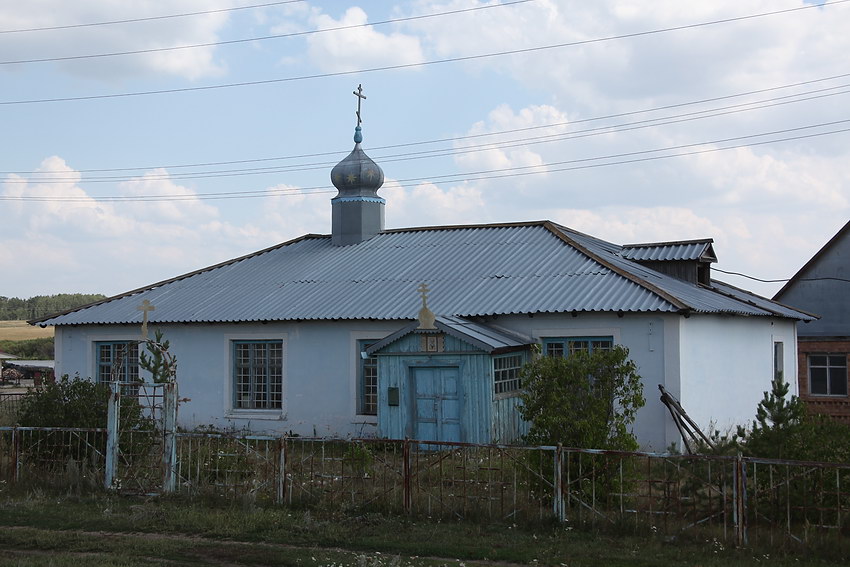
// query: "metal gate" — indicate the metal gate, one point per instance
point(140, 437)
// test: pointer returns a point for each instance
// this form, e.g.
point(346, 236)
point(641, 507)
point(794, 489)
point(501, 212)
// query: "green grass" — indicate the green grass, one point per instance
point(38, 528)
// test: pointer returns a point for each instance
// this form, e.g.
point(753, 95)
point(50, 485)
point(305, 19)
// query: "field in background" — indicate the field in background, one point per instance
point(22, 331)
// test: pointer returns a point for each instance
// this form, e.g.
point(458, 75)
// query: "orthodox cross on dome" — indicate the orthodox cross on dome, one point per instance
point(426, 316)
point(145, 308)
point(360, 98)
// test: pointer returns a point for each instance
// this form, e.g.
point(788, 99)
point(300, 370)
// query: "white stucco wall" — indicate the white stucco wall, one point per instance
point(648, 338)
point(319, 376)
point(717, 366)
point(727, 365)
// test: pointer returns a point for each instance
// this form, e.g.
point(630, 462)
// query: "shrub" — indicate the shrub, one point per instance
point(65, 403)
point(586, 400)
point(79, 403)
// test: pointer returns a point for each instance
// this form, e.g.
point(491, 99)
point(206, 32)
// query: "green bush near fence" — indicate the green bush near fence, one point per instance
point(582, 400)
point(79, 403)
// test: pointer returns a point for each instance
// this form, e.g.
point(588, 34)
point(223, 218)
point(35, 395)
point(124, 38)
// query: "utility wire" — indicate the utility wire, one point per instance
point(150, 18)
point(633, 157)
point(782, 280)
point(470, 136)
point(47, 177)
point(262, 38)
point(411, 65)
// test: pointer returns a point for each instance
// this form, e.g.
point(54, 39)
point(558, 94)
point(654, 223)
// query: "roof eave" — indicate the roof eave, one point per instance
point(171, 280)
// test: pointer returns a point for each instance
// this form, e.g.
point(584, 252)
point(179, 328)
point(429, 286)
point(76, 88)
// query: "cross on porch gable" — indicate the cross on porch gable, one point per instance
point(145, 308)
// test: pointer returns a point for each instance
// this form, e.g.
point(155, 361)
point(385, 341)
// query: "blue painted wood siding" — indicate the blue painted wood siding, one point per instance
point(475, 380)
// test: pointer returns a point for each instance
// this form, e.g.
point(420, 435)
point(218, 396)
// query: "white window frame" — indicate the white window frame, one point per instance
point(229, 389)
point(354, 373)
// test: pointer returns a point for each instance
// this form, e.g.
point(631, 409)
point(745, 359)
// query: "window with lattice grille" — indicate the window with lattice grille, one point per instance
point(506, 374)
point(258, 374)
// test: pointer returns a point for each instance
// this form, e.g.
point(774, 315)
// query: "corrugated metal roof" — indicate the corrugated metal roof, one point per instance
point(667, 251)
point(472, 271)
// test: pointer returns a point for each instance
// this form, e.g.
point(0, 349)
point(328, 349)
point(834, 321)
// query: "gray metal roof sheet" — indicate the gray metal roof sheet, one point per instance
point(667, 251)
point(472, 271)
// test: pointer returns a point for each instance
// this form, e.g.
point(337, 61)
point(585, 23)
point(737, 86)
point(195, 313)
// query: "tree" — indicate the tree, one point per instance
point(161, 364)
point(586, 400)
point(783, 429)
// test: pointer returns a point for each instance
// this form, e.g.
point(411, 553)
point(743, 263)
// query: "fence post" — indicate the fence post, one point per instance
point(740, 497)
point(169, 442)
point(16, 454)
point(113, 410)
point(558, 500)
point(405, 474)
point(281, 470)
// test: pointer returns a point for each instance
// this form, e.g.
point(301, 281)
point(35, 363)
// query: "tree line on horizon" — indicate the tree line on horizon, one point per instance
point(16, 309)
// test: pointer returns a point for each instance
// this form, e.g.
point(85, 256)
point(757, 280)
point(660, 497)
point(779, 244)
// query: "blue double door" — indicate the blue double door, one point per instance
point(437, 403)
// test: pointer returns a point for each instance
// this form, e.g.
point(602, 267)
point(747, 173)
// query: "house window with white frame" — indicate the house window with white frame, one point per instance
point(565, 346)
point(117, 360)
point(506, 374)
point(828, 374)
point(367, 380)
point(778, 360)
point(258, 374)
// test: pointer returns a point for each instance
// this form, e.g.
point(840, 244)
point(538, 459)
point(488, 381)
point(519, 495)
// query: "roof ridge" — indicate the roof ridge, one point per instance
point(466, 226)
point(176, 278)
point(671, 243)
point(631, 277)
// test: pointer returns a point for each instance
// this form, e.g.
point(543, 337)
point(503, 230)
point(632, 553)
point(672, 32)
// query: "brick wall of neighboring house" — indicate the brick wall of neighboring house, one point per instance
point(835, 406)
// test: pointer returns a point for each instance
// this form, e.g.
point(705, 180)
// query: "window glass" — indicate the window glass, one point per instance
point(258, 374)
point(828, 374)
point(506, 373)
point(558, 346)
point(118, 360)
point(778, 359)
point(367, 380)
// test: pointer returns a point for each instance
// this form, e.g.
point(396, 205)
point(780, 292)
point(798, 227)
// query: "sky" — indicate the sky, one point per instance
point(631, 121)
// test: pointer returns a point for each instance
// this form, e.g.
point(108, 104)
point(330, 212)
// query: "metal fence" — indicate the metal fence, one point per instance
point(10, 402)
point(734, 499)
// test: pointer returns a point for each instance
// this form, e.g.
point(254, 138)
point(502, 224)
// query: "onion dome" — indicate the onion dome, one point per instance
point(357, 175)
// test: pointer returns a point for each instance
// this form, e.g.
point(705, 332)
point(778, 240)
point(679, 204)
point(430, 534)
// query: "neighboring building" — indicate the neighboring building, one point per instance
point(320, 336)
point(39, 371)
point(822, 286)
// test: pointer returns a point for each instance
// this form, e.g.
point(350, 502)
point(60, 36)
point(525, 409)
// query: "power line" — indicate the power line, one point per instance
point(782, 280)
point(468, 176)
point(48, 177)
point(411, 65)
point(150, 18)
point(472, 136)
point(262, 38)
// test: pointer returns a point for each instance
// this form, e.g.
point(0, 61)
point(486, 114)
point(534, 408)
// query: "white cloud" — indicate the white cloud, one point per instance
point(108, 247)
point(359, 47)
point(501, 152)
point(429, 204)
point(134, 36)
